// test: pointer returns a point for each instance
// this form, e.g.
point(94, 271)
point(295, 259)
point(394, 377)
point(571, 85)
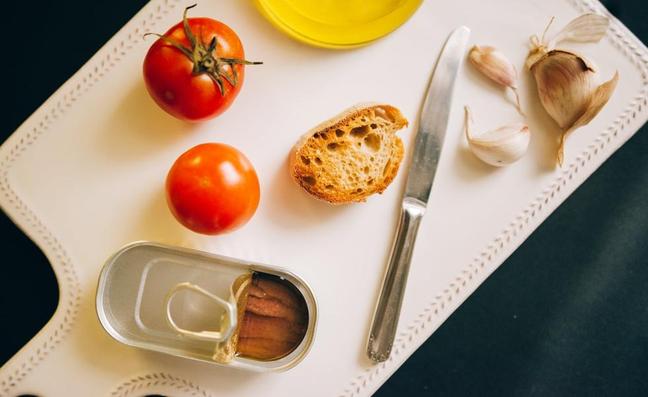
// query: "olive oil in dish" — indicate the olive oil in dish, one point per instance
point(337, 23)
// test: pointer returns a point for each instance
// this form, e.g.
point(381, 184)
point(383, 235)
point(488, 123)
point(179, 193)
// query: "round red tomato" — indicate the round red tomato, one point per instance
point(212, 188)
point(196, 69)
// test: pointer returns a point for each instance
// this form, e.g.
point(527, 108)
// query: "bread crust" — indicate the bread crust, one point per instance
point(367, 133)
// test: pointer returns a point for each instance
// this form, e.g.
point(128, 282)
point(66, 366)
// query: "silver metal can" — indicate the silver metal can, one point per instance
point(206, 307)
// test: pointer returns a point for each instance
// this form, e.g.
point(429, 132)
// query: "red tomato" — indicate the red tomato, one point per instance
point(212, 188)
point(196, 69)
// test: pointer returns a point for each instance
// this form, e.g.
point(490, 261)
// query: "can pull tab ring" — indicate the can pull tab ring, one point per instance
point(228, 320)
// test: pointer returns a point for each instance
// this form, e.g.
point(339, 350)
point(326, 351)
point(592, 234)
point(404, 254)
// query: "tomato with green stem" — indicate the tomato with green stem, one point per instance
point(196, 69)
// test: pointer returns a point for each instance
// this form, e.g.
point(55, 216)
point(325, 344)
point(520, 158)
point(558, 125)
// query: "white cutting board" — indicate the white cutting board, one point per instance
point(84, 175)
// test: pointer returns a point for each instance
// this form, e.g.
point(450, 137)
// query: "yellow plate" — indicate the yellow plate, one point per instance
point(337, 23)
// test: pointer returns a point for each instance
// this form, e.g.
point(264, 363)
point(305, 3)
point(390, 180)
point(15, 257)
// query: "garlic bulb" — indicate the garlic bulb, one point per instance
point(494, 65)
point(568, 84)
point(501, 146)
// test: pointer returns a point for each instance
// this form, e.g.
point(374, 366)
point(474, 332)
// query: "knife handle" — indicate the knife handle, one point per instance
point(385, 320)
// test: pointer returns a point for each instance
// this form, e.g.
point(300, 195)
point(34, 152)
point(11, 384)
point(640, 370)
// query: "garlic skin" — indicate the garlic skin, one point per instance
point(565, 84)
point(587, 28)
point(494, 65)
point(499, 147)
point(568, 84)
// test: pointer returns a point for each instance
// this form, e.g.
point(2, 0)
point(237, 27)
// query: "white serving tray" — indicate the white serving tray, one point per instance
point(84, 175)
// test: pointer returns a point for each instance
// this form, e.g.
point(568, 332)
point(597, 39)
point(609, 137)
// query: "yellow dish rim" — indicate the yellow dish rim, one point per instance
point(377, 28)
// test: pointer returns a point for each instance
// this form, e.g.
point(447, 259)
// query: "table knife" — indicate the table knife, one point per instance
point(432, 126)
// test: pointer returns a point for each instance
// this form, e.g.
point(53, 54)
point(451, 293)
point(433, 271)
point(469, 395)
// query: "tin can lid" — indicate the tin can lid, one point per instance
point(227, 323)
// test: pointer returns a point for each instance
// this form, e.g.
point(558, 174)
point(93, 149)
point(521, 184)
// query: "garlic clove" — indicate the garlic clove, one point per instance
point(565, 84)
point(568, 90)
point(494, 65)
point(599, 98)
point(587, 28)
point(568, 83)
point(499, 147)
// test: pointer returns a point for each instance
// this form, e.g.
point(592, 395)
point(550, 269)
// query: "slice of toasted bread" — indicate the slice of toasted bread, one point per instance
point(351, 156)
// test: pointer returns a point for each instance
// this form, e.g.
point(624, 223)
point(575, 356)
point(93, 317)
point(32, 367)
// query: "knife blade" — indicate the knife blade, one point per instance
point(432, 126)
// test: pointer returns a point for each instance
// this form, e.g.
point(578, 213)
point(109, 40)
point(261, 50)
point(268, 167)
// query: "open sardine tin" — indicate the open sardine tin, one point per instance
point(206, 307)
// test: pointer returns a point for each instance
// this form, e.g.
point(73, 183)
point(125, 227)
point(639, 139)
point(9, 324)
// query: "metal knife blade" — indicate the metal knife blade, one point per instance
point(433, 124)
point(433, 121)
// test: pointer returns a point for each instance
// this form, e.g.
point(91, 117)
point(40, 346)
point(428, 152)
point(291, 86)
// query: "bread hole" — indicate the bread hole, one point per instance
point(332, 146)
point(372, 158)
point(373, 142)
point(308, 180)
point(370, 182)
point(339, 133)
point(328, 187)
point(359, 190)
point(359, 132)
point(318, 161)
point(305, 160)
point(373, 126)
point(386, 167)
point(365, 170)
point(323, 135)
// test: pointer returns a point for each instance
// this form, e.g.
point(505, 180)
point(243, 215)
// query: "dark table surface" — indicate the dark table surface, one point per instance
point(566, 314)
